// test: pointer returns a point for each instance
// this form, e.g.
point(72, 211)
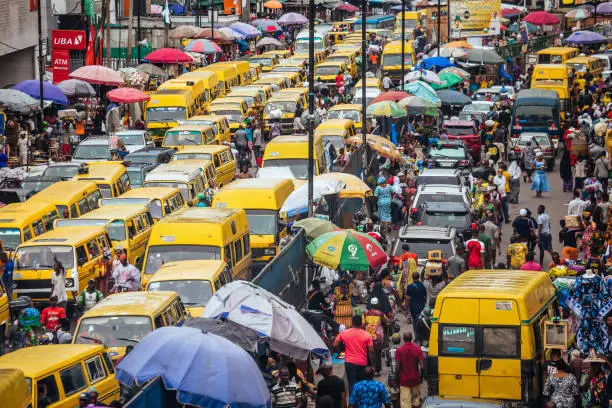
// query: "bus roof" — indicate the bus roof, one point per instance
point(267, 193)
point(102, 171)
point(529, 289)
point(148, 192)
point(188, 270)
point(63, 191)
point(38, 360)
point(109, 212)
point(64, 236)
point(174, 172)
point(131, 303)
point(557, 50)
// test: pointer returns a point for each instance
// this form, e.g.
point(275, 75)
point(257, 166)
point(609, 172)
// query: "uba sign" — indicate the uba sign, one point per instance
point(68, 40)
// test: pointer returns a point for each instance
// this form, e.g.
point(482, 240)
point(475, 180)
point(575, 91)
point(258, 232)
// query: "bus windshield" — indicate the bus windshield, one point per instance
point(166, 114)
point(536, 115)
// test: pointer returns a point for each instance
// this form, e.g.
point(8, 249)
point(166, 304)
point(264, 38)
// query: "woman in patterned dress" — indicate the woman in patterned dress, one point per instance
point(343, 306)
point(562, 387)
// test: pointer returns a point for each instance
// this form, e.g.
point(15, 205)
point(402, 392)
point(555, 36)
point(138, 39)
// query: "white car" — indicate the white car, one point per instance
point(94, 148)
point(135, 139)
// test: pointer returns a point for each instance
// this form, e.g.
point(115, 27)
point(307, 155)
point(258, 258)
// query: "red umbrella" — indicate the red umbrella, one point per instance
point(511, 12)
point(541, 18)
point(97, 75)
point(393, 96)
point(127, 95)
point(168, 56)
point(347, 7)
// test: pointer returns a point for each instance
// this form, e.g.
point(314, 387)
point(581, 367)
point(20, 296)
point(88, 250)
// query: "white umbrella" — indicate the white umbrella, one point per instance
point(250, 306)
point(269, 41)
point(297, 202)
point(449, 52)
point(423, 75)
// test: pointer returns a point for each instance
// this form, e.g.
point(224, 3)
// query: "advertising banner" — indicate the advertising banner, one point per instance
point(475, 18)
point(60, 64)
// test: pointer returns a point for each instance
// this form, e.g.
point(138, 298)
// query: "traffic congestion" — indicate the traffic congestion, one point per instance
point(225, 224)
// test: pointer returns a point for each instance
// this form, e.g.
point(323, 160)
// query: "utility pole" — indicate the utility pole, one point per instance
point(41, 62)
point(107, 35)
point(130, 39)
point(138, 39)
point(364, 62)
point(403, 70)
point(212, 21)
point(439, 39)
point(311, 103)
point(246, 10)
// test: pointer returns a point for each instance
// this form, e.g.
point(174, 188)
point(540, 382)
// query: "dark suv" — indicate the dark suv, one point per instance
point(453, 215)
point(450, 154)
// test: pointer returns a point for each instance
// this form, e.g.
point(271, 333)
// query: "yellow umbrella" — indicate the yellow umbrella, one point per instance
point(384, 147)
point(273, 4)
point(355, 188)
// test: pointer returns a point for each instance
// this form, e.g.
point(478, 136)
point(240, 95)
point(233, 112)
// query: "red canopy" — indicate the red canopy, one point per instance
point(393, 96)
point(127, 95)
point(168, 56)
point(511, 12)
point(347, 7)
point(541, 18)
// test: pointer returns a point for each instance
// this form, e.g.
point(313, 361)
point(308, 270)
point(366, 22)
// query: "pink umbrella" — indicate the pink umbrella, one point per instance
point(168, 56)
point(97, 75)
point(541, 18)
point(347, 7)
point(127, 95)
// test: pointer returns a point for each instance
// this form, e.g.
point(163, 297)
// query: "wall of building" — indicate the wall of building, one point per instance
point(18, 40)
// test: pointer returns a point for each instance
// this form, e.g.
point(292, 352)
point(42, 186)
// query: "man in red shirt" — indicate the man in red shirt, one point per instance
point(52, 314)
point(410, 361)
point(358, 350)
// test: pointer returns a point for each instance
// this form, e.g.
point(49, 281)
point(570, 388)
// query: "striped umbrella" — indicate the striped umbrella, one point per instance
point(578, 14)
point(348, 250)
point(203, 46)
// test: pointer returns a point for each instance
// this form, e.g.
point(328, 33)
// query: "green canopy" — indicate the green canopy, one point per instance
point(448, 81)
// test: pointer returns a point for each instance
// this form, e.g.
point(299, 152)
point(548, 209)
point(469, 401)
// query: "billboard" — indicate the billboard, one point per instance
point(475, 18)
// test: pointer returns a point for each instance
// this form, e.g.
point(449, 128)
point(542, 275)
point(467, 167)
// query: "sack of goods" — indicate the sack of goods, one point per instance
point(572, 221)
point(433, 269)
point(579, 143)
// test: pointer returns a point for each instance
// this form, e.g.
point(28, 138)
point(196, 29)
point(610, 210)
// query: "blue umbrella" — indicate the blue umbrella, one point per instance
point(245, 29)
point(423, 90)
point(206, 370)
point(438, 62)
point(585, 37)
point(177, 9)
point(50, 92)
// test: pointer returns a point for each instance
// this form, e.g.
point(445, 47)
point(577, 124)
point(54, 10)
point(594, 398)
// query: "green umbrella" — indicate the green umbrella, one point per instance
point(313, 227)
point(386, 108)
point(448, 80)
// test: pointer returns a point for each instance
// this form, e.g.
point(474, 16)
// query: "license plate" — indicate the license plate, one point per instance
point(446, 164)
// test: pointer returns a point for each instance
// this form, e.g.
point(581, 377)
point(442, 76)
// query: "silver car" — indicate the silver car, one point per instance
point(539, 141)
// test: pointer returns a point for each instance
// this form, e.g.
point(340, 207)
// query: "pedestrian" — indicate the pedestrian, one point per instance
point(524, 227)
point(90, 296)
point(580, 171)
point(375, 323)
point(332, 386)
point(202, 201)
point(285, 393)
point(126, 276)
point(63, 335)
point(576, 206)
point(489, 254)
point(422, 327)
point(527, 157)
point(601, 170)
point(530, 264)
point(475, 251)
point(7, 273)
point(561, 387)
point(241, 142)
point(516, 252)
point(410, 360)
point(244, 171)
point(387, 82)
point(383, 193)
point(257, 141)
point(540, 181)
point(416, 296)
point(394, 374)
point(455, 264)
point(493, 231)
point(544, 235)
point(500, 181)
point(565, 170)
point(369, 393)
point(567, 236)
point(515, 178)
point(358, 351)
point(602, 211)
point(52, 314)
point(58, 283)
point(23, 145)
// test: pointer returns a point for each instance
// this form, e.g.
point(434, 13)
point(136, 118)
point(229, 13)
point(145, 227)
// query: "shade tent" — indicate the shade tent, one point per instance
point(76, 88)
point(268, 316)
point(450, 97)
point(50, 92)
point(585, 37)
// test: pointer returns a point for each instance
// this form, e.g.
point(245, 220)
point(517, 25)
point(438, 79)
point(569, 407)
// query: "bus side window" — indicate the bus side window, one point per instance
point(238, 249)
point(27, 234)
point(159, 321)
point(73, 211)
point(247, 244)
point(228, 256)
point(38, 227)
point(81, 255)
point(94, 249)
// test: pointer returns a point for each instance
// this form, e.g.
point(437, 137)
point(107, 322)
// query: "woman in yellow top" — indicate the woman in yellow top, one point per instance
point(517, 251)
point(343, 307)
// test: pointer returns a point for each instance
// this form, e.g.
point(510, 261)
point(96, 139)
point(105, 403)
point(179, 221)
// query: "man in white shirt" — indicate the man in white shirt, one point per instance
point(515, 180)
point(576, 206)
point(387, 82)
point(544, 235)
point(126, 276)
